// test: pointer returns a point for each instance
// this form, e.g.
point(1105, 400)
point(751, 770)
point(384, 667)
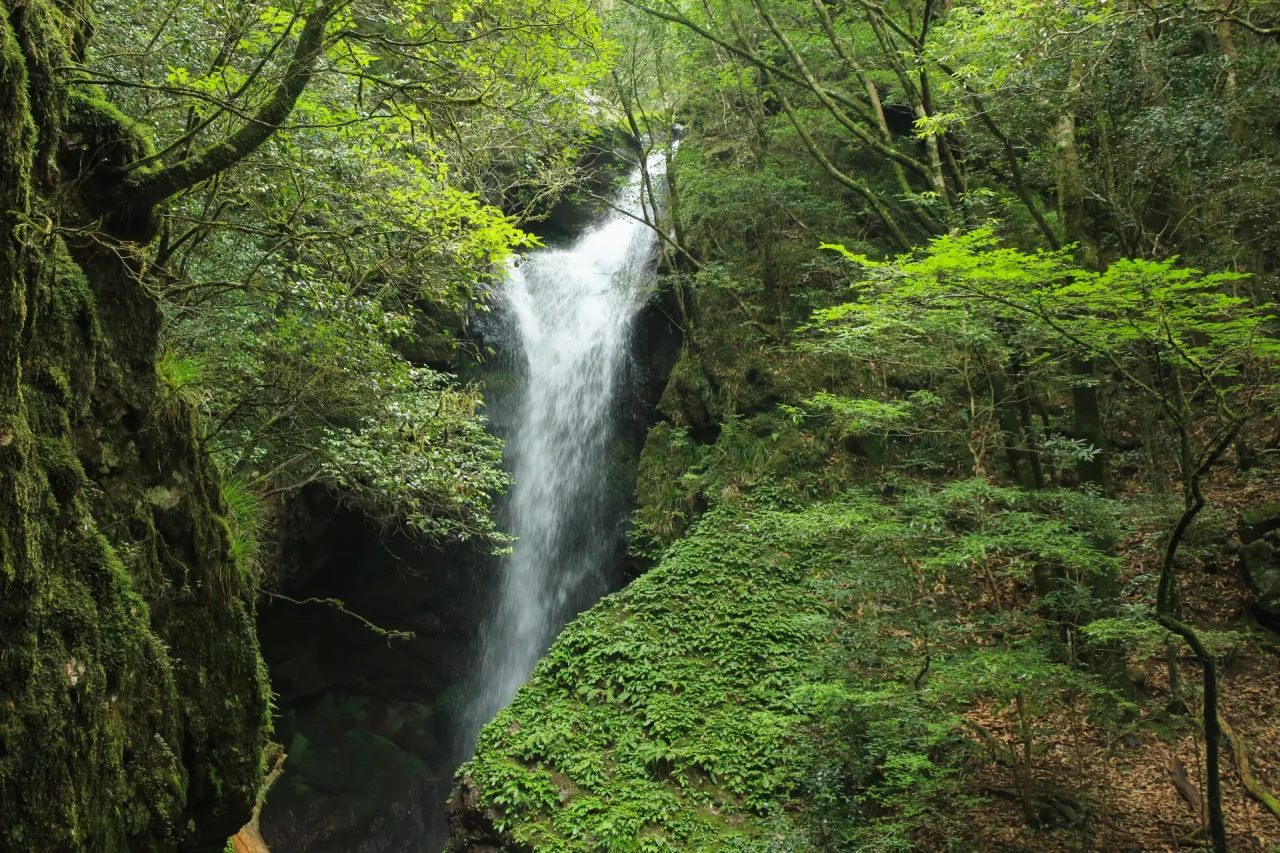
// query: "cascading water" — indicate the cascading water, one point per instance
point(573, 309)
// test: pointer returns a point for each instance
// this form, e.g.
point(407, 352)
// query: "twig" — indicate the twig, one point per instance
point(249, 838)
point(338, 605)
point(924, 670)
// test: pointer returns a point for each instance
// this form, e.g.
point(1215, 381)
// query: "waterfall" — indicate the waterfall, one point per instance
point(572, 310)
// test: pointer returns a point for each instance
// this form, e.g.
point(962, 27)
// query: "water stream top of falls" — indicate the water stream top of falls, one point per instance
point(572, 310)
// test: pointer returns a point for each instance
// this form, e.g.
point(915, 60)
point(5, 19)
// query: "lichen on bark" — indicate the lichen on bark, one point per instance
point(133, 700)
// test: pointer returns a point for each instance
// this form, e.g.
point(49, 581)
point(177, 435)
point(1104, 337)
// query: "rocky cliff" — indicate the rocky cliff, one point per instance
point(133, 701)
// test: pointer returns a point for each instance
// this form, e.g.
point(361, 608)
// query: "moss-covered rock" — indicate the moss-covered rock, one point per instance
point(98, 142)
point(133, 701)
point(768, 686)
point(664, 718)
point(1260, 558)
point(1257, 522)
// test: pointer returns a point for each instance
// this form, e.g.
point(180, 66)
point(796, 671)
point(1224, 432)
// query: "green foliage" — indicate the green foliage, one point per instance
point(307, 386)
point(973, 318)
point(1166, 114)
point(247, 526)
point(654, 719)
point(424, 461)
point(680, 478)
point(1193, 320)
point(309, 287)
point(856, 417)
point(1137, 130)
point(181, 390)
point(731, 695)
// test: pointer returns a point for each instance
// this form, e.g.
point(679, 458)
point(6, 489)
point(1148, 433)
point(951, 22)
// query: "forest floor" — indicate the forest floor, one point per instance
point(1143, 785)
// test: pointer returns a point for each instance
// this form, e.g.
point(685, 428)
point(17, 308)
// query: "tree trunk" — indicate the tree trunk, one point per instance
point(1166, 615)
point(1088, 422)
point(1011, 430)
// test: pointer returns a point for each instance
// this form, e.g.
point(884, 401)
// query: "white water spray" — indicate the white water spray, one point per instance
point(573, 309)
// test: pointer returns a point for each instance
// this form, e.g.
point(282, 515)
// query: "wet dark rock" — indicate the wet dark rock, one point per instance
point(609, 160)
point(356, 792)
point(1258, 522)
point(472, 829)
point(368, 724)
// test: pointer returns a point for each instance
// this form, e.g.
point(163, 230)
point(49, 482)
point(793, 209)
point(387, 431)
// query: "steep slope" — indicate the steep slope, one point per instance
point(665, 717)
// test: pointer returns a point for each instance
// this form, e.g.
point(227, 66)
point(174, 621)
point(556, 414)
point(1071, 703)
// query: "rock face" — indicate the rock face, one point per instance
point(1260, 559)
point(133, 701)
point(367, 723)
point(471, 825)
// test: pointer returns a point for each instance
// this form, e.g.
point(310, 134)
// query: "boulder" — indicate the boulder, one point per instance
point(472, 826)
point(1260, 560)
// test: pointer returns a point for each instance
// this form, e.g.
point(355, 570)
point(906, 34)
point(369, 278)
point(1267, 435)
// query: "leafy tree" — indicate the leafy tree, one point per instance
point(1178, 336)
point(311, 286)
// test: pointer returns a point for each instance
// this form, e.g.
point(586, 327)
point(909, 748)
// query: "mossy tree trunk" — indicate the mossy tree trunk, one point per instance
point(133, 701)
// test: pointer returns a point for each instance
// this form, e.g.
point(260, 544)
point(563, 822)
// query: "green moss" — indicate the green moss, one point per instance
point(98, 125)
point(17, 130)
point(61, 467)
point(1257, 522)
point(689, 398)
point(125, 674)
point(71, 313)
point(101, 140)
point(42, 31)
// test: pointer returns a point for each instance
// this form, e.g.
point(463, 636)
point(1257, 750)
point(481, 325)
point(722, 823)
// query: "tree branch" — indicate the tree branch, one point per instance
point(857, 186)
point(145, 189)
point(754, 59)
point(338, 605)
point(811, 82)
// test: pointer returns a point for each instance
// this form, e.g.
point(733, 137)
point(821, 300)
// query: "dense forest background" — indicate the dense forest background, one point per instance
point(961, 515)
